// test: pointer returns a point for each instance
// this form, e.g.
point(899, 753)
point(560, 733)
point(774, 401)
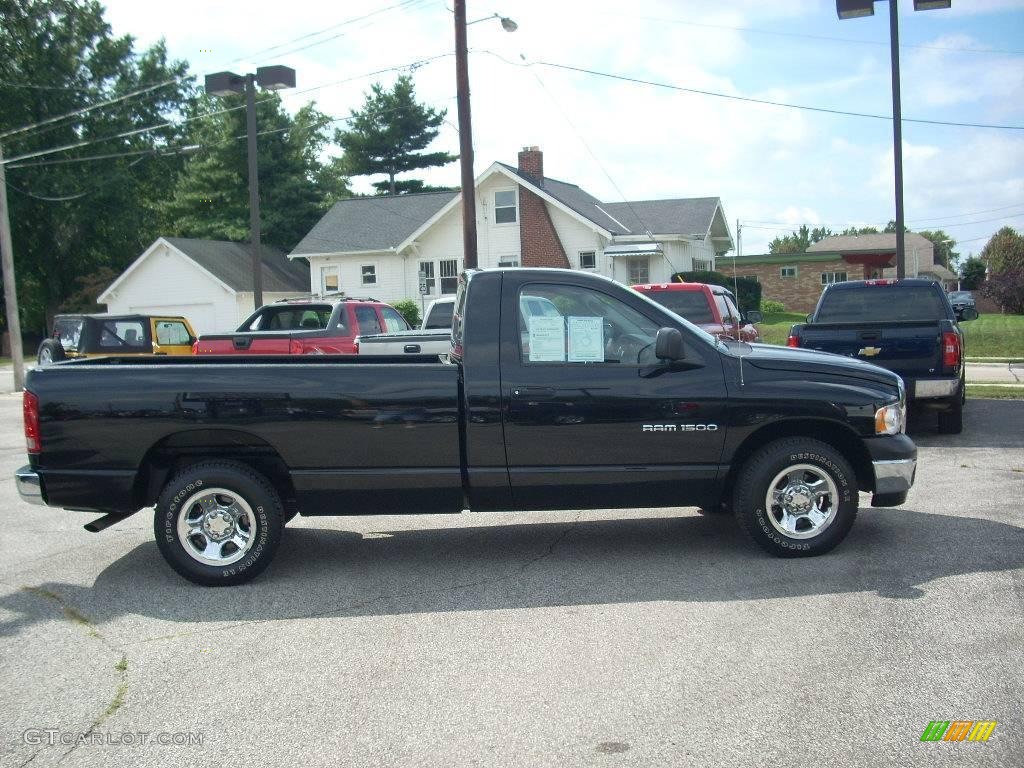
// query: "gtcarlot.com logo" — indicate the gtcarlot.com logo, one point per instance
point(958, 730)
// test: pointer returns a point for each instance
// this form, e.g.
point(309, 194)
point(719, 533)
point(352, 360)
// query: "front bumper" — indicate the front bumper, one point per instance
point(30, 487)
point(894, 462)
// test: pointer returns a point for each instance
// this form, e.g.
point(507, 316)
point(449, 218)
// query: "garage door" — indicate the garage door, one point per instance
point(202, 317)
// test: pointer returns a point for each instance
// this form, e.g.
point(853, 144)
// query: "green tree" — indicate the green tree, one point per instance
point(799, 241)
point(972, 273)
point(70, 219)
point(1003, 251)
point(211, 196)
point(853, 231)
point(388, 136)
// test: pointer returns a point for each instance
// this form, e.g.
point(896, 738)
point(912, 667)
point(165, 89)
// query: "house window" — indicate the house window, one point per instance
point(702, 265)
point(588, 260)
point(427, 277)
point(449, 269)
point(787, 272)
point(369, 272)
point(508, 261)
point(827, 278)
point(639, 271)
point(330, 280)
point(505, 206)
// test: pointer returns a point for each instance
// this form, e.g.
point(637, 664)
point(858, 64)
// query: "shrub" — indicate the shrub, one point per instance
point(410, 310)
point(774, 307)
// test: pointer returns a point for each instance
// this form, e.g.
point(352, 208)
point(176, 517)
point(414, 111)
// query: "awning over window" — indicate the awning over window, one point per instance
point(634, 249)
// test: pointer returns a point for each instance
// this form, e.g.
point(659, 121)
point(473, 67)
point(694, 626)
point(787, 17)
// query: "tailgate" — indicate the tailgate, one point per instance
point(911, 349)
point(245, 344)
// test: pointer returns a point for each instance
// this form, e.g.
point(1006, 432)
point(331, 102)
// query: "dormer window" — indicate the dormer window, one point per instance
point(505, 207)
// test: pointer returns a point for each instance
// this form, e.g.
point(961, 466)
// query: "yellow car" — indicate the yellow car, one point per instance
point(77, 336)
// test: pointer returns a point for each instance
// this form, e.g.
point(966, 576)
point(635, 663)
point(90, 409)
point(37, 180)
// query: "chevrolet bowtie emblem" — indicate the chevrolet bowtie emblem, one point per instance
point(869, 351)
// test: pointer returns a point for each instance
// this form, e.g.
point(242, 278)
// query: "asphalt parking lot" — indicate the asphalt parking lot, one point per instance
point(623, 638)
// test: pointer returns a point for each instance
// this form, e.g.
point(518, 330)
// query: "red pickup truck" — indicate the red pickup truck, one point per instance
point(305, 327)
point(710, 307)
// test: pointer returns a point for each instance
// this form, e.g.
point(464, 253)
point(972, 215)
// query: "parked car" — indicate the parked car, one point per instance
point(962, 300)
point(907, 326)
point(305, 326)
point(76, 336)
point(617, 403)
point(711, 307)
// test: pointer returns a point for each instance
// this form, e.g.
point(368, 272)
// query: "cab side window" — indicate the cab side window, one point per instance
point(569, 325)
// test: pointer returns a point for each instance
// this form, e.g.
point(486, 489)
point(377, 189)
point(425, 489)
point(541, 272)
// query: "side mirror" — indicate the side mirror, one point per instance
point(809, 317)
point(968, 313)
point(669, 344)
point(754, 316)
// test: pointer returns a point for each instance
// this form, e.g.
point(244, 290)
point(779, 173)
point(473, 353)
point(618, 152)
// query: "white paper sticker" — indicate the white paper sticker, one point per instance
point(586, 340)
point(547, 340)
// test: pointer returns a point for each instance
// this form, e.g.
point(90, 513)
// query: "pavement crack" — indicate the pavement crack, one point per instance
point(120, 695)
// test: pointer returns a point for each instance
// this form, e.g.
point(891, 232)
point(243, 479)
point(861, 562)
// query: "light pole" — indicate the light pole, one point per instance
point(852, 9)
point(273, 78)
point(466, 128)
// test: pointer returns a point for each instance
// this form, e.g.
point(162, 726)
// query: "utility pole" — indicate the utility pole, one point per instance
point(10, 289)
point(465, 138)
point(897, 138)
point(254, 192)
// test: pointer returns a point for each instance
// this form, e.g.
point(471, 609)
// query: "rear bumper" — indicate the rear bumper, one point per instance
point(30, 487)
point(926, 389)
point(894, 463)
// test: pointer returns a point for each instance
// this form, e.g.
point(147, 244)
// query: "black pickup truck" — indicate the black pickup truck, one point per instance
point(907, 326)
point(563, 390)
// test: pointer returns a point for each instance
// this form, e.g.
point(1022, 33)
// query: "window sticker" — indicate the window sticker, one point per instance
point(547, 339)
point(586, 340)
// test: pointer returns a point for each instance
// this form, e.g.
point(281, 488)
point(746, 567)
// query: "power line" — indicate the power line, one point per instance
point(749, 99)
point(972, 213)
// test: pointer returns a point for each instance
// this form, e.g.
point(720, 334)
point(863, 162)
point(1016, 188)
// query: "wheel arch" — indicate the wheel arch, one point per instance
point(171, 454)
point(836, 434)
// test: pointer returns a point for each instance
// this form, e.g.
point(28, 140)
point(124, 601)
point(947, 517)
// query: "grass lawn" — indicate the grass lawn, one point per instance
point(999, 336)
point(995, 393)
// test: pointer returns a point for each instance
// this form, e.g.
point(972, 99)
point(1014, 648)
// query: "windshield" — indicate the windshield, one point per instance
point(691, 305)
point(882, 303)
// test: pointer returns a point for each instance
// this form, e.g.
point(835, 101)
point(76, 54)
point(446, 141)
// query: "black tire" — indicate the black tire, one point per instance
point(50, 351)
point(248, 509)
point(951, 422)
point(810, 460)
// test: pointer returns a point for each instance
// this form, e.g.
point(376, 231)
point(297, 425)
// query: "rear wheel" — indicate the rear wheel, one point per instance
point(796, 497)
point(50, 351)
point(218, 523)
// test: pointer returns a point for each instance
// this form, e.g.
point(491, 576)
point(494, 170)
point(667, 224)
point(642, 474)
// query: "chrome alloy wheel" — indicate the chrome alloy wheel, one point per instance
point(216, 526)
point(802, 501)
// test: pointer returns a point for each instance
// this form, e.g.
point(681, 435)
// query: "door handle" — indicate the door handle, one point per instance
point(534, 393)
point(412, 349)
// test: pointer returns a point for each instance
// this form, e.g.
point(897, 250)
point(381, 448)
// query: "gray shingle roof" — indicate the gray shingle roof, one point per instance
point(579, 200)
point(881, 242)
point(232, 264)
point(684, 216)
point(371, 223)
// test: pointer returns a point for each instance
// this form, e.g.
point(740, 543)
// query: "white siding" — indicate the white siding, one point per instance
point(494, 241)
point(166, 282)
point(576, 237)
point(391, 285)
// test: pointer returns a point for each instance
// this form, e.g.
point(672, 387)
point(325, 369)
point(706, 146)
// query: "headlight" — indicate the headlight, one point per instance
point(890, 419)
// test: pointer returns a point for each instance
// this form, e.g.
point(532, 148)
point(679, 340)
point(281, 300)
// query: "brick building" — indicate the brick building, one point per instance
point(797, 279)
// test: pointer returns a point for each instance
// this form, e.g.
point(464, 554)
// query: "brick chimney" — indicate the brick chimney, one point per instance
point(538, 238)
point(531, 162)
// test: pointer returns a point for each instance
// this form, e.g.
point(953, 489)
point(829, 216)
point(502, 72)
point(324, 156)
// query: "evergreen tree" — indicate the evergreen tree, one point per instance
point(388, 135)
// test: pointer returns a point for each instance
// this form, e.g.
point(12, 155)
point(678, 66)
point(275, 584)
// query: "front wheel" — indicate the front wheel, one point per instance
point(796, 497)
point(218, 523)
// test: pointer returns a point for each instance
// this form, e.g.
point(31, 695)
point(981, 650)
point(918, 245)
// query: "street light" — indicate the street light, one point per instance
point(466, 128)
point(272, 78)
point(852, 9)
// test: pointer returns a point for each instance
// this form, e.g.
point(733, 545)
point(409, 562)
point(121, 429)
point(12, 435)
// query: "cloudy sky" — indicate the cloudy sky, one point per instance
point(774, 167)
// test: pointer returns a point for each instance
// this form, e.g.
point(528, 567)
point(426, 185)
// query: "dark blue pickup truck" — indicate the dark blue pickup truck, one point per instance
point(907, 326)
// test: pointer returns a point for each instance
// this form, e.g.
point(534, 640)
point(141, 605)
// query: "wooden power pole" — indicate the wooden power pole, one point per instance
point(10, 289)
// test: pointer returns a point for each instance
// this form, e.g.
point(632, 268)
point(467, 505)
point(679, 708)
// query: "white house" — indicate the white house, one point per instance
point(386, 247)
point(207, 281)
